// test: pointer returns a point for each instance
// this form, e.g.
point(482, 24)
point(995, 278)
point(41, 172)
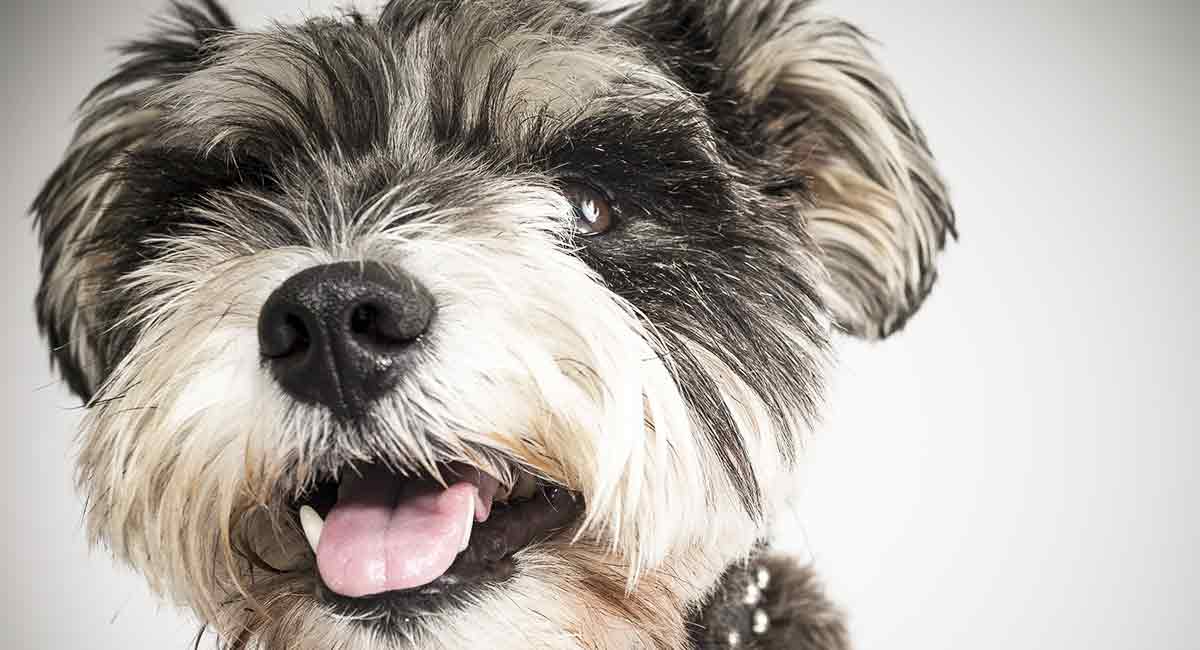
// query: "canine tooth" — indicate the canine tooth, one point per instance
point(312, 524)
point(470, 524)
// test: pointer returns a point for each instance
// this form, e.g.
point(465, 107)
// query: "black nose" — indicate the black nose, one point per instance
point(337, 335)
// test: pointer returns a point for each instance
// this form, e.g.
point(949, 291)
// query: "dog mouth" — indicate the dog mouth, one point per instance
point(377, 534)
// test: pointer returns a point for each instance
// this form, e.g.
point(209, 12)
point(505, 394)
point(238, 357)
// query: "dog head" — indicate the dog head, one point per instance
point(470, 320)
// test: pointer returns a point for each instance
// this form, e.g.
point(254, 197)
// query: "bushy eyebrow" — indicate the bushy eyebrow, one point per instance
point(651, 154)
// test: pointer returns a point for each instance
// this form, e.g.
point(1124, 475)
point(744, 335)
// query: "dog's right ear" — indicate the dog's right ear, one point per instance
point(114, 118)
point(800, 94)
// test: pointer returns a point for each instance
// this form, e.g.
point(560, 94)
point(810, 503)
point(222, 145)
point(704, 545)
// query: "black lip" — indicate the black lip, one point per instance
point(487, 561)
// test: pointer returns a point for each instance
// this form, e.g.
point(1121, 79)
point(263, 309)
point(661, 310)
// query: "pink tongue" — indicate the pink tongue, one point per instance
point(385, 534)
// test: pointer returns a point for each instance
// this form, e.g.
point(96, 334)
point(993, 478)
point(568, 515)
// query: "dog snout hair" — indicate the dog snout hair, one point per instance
point(338, 335)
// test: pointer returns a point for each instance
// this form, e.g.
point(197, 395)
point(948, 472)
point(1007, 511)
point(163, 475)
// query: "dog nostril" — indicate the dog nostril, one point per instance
point(286, 337)
point(364, 321)
point(378, 325)
point(297, 337)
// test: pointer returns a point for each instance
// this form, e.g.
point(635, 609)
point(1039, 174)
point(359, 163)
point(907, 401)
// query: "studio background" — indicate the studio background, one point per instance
point(1014, 470)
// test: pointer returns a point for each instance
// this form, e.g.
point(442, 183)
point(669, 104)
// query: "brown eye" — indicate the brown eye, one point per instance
point(593, 212)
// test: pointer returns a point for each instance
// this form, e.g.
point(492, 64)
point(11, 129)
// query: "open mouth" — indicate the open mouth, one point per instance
point(378, 535)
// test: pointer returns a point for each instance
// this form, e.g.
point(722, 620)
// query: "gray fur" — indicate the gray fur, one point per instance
point(770, 184)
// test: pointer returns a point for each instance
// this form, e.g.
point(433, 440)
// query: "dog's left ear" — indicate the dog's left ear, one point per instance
point(802, 93)
point(114, 118)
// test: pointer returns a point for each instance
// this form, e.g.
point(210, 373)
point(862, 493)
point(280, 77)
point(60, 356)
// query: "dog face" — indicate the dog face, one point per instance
point(473, 320)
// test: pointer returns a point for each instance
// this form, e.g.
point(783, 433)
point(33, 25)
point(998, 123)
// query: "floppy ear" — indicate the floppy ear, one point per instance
point(802, 94)
point(114, 118)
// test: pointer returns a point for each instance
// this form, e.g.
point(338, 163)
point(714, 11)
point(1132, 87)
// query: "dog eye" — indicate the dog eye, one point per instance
point(593, 212)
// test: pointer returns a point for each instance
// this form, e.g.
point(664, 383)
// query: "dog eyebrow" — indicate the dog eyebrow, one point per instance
point(669, 142)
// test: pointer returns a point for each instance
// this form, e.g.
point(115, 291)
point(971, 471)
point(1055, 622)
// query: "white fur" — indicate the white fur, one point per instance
point(531, 355)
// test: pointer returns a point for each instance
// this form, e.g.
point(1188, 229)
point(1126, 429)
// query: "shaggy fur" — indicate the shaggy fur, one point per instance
point(769, 186)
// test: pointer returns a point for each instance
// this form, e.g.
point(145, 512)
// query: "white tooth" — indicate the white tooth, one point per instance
point(312, 524)
point(470, 524)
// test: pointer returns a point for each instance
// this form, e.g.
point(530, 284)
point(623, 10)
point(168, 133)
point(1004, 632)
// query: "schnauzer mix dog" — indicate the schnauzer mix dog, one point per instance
point(478, 323)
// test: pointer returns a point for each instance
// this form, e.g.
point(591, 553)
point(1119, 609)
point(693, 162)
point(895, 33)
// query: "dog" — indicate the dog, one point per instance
point(478, 323)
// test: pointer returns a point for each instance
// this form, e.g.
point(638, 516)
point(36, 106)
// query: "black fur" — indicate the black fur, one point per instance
point(710, 188)
point(786, 138)
point(174, 51)
point(794, 610)
point(706, 248)
point(802, 617)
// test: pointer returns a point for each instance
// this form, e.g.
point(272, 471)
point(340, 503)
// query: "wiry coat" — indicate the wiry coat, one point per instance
point(771, 187)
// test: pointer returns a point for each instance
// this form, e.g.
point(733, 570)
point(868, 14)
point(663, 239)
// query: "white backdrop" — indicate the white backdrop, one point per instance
point(1016, 470)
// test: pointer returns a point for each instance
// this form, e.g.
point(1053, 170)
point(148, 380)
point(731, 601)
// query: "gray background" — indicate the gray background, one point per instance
point(1013, 471)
